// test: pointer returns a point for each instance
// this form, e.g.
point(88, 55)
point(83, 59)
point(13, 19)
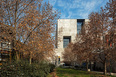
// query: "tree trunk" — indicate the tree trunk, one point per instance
point(87, 65)
point(17, 56)
point(30, 59)
point(105, 68)
point(91, 68)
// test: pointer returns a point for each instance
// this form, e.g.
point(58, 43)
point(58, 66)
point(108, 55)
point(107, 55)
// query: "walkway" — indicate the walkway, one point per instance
point(114, 74)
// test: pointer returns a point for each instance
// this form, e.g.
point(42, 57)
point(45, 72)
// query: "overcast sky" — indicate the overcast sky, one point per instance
point(76, 9)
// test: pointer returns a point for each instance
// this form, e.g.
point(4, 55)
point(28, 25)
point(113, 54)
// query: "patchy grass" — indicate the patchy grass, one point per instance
point(66, 72)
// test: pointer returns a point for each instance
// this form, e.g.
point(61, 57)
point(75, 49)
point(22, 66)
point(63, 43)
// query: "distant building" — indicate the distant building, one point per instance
point(5, 43)
point(67, 30)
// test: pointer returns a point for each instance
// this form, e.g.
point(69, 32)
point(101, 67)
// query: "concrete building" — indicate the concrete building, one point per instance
point(67, 30)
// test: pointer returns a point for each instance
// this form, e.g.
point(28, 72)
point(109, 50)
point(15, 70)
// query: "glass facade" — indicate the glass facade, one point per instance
point(66, 41)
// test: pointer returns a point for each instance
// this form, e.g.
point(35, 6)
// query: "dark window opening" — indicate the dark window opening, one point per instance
point(66, 41)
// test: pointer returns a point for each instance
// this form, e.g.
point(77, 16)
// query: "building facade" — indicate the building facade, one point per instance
point(5, 43)
point(67, 30)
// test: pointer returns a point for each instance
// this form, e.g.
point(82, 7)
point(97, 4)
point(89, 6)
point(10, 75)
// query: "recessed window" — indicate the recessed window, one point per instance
point(66, 41)
point(79, 25)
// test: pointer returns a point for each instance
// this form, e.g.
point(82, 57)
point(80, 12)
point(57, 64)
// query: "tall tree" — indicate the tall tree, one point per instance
point(83, 46)
point(98, 29)
point(34, 24)
point(111, 13)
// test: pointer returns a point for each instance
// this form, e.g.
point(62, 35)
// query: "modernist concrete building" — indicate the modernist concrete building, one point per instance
point(67, 29)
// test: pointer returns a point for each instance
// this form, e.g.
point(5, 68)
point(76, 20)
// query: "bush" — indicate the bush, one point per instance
point(24, 69)
point(52, 66)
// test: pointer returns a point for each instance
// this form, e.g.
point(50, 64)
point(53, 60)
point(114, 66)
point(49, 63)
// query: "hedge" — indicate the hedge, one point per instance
point(24, 69)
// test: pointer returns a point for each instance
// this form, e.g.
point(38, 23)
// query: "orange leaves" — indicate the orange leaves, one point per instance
point(4, 37)
point(32, 21)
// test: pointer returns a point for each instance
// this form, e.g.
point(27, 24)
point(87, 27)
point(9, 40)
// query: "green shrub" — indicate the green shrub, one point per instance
point(24, 69)
point(52, 66)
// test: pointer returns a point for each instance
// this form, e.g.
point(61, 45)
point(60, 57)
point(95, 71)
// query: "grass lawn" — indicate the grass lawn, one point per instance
point(66, 72)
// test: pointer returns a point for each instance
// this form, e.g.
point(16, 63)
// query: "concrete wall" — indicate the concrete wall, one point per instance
point(65, 27)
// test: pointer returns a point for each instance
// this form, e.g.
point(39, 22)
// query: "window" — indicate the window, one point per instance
point(66, 41)
point(4, 45)
point(79, 25)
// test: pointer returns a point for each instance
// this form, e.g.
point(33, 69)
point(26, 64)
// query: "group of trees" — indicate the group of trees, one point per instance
point(97, 40)
point(33, 26)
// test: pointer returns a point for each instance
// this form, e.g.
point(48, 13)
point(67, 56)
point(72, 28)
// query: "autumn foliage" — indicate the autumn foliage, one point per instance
point(97, 39)
point(33, 23)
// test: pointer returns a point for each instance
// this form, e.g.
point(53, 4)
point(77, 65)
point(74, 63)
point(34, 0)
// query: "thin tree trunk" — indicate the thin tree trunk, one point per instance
point(91, 68)
point(15, 23)
point(87, 65)
point(105, 69)
point(17, 56)
point(30, 59)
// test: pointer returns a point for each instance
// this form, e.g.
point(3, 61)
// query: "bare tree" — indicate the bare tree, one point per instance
point(83, 46)
point(101, 26)
point(68, 55)
point(34, 24)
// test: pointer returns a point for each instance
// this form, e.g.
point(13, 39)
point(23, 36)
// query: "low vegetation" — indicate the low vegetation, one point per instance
point(24, 69)
point(66, 72)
